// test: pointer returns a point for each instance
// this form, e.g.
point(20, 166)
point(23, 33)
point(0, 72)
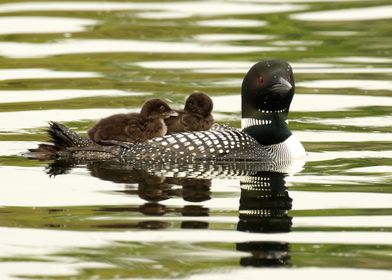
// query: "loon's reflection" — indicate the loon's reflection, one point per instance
point(263, 205)
point(265, 254)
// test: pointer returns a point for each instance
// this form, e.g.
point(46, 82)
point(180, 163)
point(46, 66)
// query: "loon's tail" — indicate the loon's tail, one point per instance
point(62, 138)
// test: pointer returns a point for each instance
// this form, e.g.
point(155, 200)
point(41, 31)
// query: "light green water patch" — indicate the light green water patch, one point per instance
point(130, 217)
point(328, 187)
point(345, 229)
point(37, 136)
point(314, 126)
point(172, 260)
point(78, 103)
point(153, 260)
point(342, 166)
point(340, 255)
point(20, 161)
point(358, 112)
point(339, 212)
point(347, 146)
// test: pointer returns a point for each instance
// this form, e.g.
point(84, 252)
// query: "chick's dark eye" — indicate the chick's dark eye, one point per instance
point(162, 108)
point(260, 79)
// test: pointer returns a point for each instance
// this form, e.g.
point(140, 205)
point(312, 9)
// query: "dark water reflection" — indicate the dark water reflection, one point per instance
point(264, 203)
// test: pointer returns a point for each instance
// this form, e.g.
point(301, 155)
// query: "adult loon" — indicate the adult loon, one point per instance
point(196, 115)
point(267, 92)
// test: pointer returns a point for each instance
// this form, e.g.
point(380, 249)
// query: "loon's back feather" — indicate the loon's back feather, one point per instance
point(217, 144)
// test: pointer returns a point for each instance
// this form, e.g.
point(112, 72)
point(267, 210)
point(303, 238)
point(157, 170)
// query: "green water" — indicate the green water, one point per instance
point(101, 223)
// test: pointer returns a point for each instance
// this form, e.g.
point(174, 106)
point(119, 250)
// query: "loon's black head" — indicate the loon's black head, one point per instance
point(268, 87)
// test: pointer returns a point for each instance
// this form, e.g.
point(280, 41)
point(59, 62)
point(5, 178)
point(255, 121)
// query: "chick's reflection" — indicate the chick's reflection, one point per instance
point(155, 189)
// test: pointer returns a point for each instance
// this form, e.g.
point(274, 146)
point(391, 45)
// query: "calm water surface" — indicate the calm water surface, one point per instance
point(78, 61)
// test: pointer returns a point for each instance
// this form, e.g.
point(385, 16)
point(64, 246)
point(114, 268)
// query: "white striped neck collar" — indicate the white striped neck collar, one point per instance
point(247, 122)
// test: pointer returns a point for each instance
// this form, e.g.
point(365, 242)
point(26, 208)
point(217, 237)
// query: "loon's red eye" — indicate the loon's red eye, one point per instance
point(260, 79)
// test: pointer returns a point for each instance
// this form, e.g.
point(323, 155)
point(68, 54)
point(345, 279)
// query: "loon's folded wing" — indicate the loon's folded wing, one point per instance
point(213, 145)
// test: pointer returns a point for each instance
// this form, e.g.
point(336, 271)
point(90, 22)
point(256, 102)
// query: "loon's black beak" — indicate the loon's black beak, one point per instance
point(283, 86)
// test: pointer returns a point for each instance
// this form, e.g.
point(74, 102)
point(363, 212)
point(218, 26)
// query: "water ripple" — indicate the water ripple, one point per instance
point(342, 136)
point(296, 273)
point(366, 13)
point(24, 25)
point(11, 96)
point(221, 67)
point(344, 221)
point(332, 155)
point(38, 73)
point(236, 23)
point(12, 122)
point(363, 59)
point(232, 37)
point(359, 84)
point(376, 121)
point(186, 8)
point(33, 50)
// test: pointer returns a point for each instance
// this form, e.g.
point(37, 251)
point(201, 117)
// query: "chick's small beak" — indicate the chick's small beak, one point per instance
point(173, 114)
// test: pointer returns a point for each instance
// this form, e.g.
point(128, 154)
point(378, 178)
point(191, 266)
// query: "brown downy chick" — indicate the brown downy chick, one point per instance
point(133, 127)
point(196, 115)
